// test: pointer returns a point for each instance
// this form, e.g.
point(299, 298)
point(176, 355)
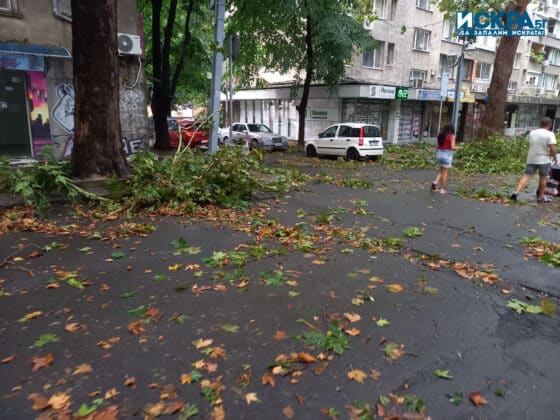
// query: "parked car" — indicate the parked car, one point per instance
point(353, 141)
point(255, 135)
point(192, 133)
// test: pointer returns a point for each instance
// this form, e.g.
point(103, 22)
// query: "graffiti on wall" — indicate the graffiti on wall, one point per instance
point(63, 111)
point(130, 146)
point(38, 111)
point(131, 108)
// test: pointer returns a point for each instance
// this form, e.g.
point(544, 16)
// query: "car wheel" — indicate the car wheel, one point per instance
point(352, 154)
point(254, 144)
point(226, 141)
point(311, 151)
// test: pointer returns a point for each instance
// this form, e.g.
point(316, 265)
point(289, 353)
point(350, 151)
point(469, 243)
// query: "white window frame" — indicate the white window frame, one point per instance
point(423, 36)
point(379, 7)
point(424, 4)
point(516, 60)
point(390, 54)
point(376, 57)
point(446, 63)
point(548, 81)
point(11, 7)
point(449, 30)
point(554, 56)
point(512, 86)
point(417, 74)
point(488, 73)
point(62, 9)
point(486, 42)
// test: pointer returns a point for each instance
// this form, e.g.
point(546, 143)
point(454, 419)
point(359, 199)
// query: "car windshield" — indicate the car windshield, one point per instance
point(258, 128)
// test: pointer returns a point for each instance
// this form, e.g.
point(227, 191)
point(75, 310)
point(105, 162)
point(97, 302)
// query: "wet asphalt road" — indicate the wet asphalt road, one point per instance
point(438, 319)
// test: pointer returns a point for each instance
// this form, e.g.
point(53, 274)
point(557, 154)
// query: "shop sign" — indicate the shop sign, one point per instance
point(429, 95)
point(402, 93)
point(382, 92)
point(25, 62)
point(317, 114)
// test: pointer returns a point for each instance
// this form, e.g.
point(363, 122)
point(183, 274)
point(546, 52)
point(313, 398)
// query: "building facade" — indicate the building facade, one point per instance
point(406, 85)
point(36, 88)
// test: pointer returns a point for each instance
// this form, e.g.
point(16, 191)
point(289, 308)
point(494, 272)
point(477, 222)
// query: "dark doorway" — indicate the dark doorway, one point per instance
point(14, 116)
point(551, 113)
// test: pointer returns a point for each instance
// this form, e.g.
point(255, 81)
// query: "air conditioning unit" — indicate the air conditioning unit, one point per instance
point(417, 83)
point(545, 63)
point(129, 44)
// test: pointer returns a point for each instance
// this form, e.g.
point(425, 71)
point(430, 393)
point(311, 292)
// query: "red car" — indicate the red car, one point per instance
point(192, 133)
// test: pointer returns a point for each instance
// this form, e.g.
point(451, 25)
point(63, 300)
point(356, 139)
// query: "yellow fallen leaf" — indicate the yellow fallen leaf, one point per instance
point(394, 288)
point(174, 267)
point(31, 315)
point(357, 375)
point(200, 343)
point(318, 262)
point(59, 401)
point(288, 412)
point(218, 413)
point(352, 316)
point(112, 393)
point(352, 332)
point(81, 369)
point(252, 397)
point(18, 259)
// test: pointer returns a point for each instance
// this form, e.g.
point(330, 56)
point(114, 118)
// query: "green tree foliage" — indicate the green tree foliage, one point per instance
point(493, 119)
point(316, 38)
point(178, 53)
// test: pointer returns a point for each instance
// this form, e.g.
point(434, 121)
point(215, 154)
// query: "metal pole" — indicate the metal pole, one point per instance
point(219, 12)
point(456, 99)
point(231, 88)
point(439, 117)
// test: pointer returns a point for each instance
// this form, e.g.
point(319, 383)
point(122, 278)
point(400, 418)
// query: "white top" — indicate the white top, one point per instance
point(539, 140)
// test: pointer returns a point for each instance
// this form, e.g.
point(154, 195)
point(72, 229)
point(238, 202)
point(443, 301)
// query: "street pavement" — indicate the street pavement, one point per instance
point(215, 324)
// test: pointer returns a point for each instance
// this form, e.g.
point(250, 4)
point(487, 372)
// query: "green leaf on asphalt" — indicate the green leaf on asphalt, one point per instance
point(456, 398)
point(382, 322)
point(74, 283)
point(347, 251)
point(412, 232)
point(52, 246)
point(45, 339)
point(547, 307)
point(499, 393)
point(384, 400)
point(117, 255)
point(230, 328)
point(160, 277)
point(521, 307)
point(414, 403)
point(188, 412)
point(85, 249)
point(86, 410)
point(196, 376)
point(443, 374)
point(291, 293)
point(95, 235)
point(140, 311)
point(127, 295)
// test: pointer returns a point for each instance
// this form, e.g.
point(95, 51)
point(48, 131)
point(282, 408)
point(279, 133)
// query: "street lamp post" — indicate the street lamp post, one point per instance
point(456, 99)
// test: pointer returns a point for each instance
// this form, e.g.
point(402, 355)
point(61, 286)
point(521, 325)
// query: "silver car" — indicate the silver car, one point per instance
point(255, 135)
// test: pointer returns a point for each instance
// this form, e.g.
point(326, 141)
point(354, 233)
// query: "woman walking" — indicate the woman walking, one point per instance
point(444, 157)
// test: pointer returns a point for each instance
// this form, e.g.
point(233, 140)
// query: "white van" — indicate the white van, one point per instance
point(353, 141)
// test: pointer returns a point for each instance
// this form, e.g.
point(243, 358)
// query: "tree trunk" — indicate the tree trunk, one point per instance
point(184, 50)
point(309, 69)
point(161, 103)
point(493, 118)
point(97, 147)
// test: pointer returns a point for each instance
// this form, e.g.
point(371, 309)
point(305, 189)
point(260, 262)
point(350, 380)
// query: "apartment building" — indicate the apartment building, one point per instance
point(36, 90)
point(407, 84)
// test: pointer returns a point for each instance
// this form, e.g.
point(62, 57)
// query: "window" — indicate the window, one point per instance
point(533, 79)
point(329, 132)
point(417, 77)
point(390, 53)
point(372, 58)
point(424, 4)
point(484, 71)
point(516, 60)
point(548, 81)
point(6, 5)
point(486, 42)
point(446, 65)
point(379, 8)
point(449, 31)
point(421, 40)
point(554, 56)
point(512, 86)
point(467, 70)
point(64, 8)
point(393, 11)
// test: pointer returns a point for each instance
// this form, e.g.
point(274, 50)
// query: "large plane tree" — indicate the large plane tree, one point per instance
point(97, 150)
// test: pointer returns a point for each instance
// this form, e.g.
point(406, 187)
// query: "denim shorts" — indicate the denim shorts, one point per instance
point(531, 169)
point(444, 158)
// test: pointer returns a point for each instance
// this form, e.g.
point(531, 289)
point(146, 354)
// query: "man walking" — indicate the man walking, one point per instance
point(542, 150)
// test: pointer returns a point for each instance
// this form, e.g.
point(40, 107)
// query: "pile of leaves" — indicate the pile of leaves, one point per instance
point(546, 252)
point(495, 155)
point(415, 155)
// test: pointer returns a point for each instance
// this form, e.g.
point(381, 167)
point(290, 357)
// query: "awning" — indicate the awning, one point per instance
point(31, 49)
